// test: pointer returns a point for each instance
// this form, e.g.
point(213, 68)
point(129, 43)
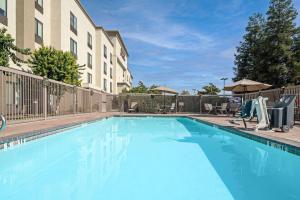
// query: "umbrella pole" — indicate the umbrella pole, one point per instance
point(164, 101)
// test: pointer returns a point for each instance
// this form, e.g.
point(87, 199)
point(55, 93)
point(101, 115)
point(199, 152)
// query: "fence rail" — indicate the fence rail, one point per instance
point(150, 103)
point(24, 96)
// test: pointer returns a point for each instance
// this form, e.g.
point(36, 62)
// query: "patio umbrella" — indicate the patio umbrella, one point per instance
point(165, 90)
point(246, 85)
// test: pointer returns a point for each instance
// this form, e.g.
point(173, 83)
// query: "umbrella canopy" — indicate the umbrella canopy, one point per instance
point(165, 90)
point(246, 85)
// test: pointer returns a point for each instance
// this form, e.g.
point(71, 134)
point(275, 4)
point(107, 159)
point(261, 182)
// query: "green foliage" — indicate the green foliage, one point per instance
point(250, 52)
point(141, 88)
point(268, 52)
point(55, 64)
point(8, 50)
point(210, 89)
point(185, 92)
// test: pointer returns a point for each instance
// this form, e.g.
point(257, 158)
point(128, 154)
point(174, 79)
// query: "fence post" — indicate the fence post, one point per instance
point(91, 101)
point(45, 85)
point(74, 99)
point(200, 96)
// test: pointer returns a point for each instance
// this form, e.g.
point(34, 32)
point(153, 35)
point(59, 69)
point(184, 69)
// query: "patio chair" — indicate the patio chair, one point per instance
point(133, 107)
point(208, 108)
point(173, 107)
point(223, 108)
point(159, 109)
point(181, 105)
point(246, 113)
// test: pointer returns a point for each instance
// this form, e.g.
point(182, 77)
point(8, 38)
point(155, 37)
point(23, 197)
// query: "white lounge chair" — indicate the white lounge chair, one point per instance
point(223, 108)
point(208, 108)
point(133, 106)
point(173, 107)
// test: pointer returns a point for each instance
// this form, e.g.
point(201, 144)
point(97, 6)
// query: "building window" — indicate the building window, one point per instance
point(39, 5)
point(105, 68)
point(3, 12)
point(110, 72)
point(89, 60)
point(73, 23)
point(110, 87)
point(73, 47)
point(89, 40)
point(105, 85)
point(38, 32)
point(89, 78)
point(111, 60)
point(105, 52)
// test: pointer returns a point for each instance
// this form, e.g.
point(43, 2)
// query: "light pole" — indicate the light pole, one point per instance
point(224, 80)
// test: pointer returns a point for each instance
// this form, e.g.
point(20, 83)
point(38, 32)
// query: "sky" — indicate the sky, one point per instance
point(182, 44)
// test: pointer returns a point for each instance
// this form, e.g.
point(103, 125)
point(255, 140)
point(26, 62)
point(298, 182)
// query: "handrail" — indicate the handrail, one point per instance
point(3, 120)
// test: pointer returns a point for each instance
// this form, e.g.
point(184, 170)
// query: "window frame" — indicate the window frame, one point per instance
point(89, 40)
point(89, 78)
point(105, 84)
point(105, 68)
point(105, 51)
point(111, 72)
point(111, 60)
point(110, 87)
point(72, 41)
point(39, 7)
point(73, 23)
point(39, 38)
point(89, 60)
point(3, 18)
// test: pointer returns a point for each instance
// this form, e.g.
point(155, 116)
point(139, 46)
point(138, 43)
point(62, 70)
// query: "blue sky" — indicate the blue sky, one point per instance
point(182, 44)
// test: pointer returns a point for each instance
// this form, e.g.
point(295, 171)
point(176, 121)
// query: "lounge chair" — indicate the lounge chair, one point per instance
point(133, 107)
point(223, 108)
point(208, 108)
point(159, 109)
point(247, 113)
point(180, 105)
point(173, 107)
point(282, 114)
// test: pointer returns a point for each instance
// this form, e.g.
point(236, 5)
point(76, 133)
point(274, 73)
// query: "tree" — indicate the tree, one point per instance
point(185, 92)
point(8, 50)
point(280, 31)
point(296, 55)
point(55, 64)
point(249, 54)
point(140, 88)
point(269, 51)
point(211, 89)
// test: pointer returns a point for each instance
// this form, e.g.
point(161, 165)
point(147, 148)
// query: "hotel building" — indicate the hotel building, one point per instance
point(65, 25)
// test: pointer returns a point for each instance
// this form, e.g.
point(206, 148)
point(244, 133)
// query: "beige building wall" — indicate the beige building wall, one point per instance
point(123, 76)
point(84, 25)
point(103, 41)
point(55, 17)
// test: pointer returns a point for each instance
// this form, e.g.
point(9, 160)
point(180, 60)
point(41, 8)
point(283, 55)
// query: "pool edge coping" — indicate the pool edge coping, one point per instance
point(279, 143)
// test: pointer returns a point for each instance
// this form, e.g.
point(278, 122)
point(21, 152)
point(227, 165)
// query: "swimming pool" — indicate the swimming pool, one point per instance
point(147, 158)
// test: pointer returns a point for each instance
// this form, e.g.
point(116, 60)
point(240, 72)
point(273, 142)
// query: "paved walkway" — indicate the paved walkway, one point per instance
point(16, 130)
point(292, 137)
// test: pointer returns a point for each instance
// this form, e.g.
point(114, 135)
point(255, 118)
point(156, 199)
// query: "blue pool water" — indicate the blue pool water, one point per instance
point(148, 159)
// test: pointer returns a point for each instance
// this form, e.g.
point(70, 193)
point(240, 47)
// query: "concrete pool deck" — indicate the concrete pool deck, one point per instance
point(16, 131)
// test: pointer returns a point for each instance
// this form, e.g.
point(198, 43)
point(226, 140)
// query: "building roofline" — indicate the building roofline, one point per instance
point(117, 33)
point(95, 26)
point(107, 36)
point(85, 12)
